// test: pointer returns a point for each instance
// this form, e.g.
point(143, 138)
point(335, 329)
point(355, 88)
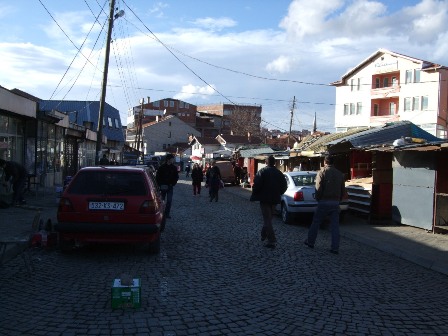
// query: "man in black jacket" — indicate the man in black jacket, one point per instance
point(167, 177)
point(269, 185)
point(16, 173)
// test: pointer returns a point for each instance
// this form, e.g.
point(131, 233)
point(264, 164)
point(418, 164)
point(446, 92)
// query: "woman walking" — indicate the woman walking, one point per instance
point(197, 176)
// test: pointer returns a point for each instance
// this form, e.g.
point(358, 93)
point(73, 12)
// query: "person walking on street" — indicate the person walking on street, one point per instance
point(167, 177)
point(213, 181)
point(15, 173)
point(187, 170)
point(330, 190)
point(269, 185)
point(197, 176)
point(104, 161)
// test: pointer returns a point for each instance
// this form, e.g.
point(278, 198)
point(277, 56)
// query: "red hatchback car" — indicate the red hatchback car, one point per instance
point(111, 204)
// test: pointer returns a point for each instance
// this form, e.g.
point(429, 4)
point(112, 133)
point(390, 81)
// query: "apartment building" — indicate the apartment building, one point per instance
point(236, 119)
point(388, 87)
point(152, 111)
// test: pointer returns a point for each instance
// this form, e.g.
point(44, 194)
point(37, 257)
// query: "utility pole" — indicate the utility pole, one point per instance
point(292, 115)
point(99, 131)
point(139, 131)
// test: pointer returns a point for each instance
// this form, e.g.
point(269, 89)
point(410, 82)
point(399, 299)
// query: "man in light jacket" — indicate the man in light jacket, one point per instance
point(330, 190)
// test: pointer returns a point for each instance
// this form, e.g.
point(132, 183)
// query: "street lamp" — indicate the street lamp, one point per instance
point(99, 134)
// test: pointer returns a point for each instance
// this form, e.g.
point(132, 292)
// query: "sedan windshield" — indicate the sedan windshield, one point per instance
point(304, 180)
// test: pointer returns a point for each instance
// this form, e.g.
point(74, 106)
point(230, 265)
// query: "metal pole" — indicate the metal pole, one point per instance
point(99, 133)
point(292, 115)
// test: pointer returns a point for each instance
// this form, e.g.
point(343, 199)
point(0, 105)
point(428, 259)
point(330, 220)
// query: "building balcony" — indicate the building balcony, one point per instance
point(382, 119)
point(385, 92)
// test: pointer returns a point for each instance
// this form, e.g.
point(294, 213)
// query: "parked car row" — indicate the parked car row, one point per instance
point(123, 204)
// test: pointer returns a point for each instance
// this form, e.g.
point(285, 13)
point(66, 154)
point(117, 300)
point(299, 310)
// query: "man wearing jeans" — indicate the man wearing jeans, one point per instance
point(269, 185)
point(330, 189)
point(167, 177)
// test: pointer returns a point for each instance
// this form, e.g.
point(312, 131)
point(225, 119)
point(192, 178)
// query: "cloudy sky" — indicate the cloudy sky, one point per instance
point(261, 52)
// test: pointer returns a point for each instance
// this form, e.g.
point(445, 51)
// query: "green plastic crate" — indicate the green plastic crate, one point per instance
point(126, 296)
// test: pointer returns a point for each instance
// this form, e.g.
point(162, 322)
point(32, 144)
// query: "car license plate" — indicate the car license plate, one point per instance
point(106, 206)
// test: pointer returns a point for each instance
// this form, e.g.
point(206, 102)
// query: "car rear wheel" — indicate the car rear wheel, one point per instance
point(154, 246)
point(286, 215)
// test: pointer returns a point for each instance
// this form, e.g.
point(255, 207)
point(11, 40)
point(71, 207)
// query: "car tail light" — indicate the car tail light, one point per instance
point(148, 207)
point(65, 205)
point(298, 196)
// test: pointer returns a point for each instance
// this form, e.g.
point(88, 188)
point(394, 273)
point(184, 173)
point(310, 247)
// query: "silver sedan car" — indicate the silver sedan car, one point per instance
point(300, 197)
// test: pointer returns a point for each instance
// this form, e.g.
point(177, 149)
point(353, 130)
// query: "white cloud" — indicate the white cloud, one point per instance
point(157, 9)
point(215, 24)
point(308, 17)
point(281, 64)
point(188, 91)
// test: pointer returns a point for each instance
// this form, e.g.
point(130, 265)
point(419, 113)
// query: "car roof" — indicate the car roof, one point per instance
point(113, 168)
point(302, 172)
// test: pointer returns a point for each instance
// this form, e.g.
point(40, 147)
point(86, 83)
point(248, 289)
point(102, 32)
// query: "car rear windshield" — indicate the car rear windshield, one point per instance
point(108, 183)
point(304, 180)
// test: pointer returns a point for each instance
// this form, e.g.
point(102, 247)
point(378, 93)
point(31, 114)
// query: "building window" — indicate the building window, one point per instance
point(394, 81)
point(408, 76)
point(376, 109)
point(424, 103)
point(392, 108)
point(352, 108)
point(165, 103)
point(109, 121)
point(359, 84)
point(377, 83)
point(171, 103)
point(104, 121)
point(415, 103)
point(164, 146)
point(181, 104)
point(169, 123)
point(407, 104)
point(187, 105)
point(416, 76)
point(386, 82)
point(117, 125)
point(352, 84)
point(156, 104)
point(358, 108)
point(345, 109)
point(169, 134)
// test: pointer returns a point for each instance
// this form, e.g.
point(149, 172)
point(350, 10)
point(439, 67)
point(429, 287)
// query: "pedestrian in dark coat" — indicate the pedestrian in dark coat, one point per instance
point(213, 181)
point(167, 177)
point(269, 185)
point(15, 173)
point(197, 176)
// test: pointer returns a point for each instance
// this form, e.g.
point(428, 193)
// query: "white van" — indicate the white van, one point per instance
point(226, 169)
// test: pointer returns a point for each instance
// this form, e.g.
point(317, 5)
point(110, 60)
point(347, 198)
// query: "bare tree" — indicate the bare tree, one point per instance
point(246, 119)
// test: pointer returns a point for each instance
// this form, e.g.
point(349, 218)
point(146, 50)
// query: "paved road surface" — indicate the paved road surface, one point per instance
point(214, 277)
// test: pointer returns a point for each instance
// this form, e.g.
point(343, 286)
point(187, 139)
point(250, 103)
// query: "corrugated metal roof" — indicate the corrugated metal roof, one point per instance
point(385, 135)
point(80, 111)
point(255, 151)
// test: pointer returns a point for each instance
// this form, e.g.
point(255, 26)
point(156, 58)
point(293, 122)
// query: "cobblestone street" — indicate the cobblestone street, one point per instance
point(214, 277)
